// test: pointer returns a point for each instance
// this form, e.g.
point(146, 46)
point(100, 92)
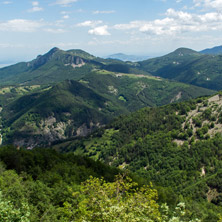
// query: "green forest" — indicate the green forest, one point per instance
point(177, 147)
point(43, 185)
point(111, 140)
point(156, 164)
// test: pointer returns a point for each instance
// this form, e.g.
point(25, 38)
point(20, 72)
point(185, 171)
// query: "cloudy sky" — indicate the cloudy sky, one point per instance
point(103, 27)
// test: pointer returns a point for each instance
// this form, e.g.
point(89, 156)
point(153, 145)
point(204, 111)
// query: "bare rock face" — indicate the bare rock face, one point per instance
point(50, 130)
point(82, 130)
point(75, 62)
point(42, 59)
point(177, 97)
point(57, 55)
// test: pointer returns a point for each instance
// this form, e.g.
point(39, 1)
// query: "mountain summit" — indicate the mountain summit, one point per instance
point(48, 68)
point(188, 66)
point(72, 64)
point(184, 52)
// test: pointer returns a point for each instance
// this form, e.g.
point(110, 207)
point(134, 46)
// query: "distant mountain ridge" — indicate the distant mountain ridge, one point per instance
point(124, 57)
point(217, 50)
point(184, 65)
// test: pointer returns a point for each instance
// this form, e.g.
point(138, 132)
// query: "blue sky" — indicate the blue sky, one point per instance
point(103, 27)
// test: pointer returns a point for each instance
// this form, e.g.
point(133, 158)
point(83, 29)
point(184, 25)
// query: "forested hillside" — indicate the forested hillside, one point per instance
point(188, 66)
point(42, 185)
point(176, 146)
point(38, 115)
point(118, 141)
point(217, 50)
point(58, 65)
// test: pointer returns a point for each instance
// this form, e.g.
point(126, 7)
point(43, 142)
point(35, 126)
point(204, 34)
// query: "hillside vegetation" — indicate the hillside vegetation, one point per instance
point(188, 66)
point(184, 65)
point(42, 185)
point(176, 146)
point(217, 50)
point(126, 140)
point(58, 65)
point(76, 108)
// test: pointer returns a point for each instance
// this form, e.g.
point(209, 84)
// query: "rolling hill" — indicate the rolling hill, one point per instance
point(188, 66)
point(75, 108)
point(217, 50)
point(65, 110)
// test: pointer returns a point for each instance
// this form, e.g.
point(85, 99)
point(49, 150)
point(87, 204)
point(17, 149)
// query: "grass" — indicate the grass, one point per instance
point(105, 72)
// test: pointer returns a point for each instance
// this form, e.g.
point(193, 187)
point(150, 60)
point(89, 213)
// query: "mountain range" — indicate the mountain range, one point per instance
point(184, 65)
point(157, 120)
point(64, 94)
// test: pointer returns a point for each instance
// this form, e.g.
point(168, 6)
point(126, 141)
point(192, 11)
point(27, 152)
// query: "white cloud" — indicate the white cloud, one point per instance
point(95, 29)
point(131, 25)
point(101, 30)
point(176, 22)
point(64, 3)
point(56, 31)
point(98, 41)
point(215, 4)
point(89, 23)
point(20, 25)
point(103, 12)
point(66, 16)
point(57, 23)
point(180, 15)
point(35, 7)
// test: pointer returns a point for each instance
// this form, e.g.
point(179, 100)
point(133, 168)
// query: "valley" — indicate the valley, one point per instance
point(69, 118)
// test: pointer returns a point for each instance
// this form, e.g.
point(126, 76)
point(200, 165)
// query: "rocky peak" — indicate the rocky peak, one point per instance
point(42, 59)
point(53, 50)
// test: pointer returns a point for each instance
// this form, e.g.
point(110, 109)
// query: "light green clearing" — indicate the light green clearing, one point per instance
point(105, 72)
